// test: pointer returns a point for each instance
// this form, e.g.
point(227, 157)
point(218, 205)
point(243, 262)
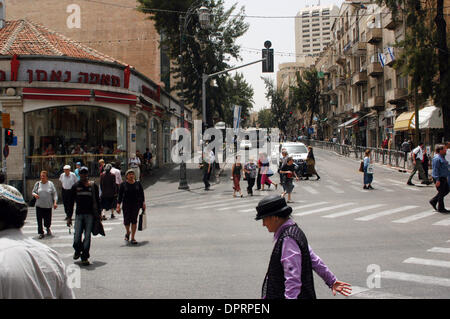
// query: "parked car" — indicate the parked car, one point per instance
point(299, 152)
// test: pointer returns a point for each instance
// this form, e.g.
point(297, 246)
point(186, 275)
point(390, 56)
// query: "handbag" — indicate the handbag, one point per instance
point(32, 202)
point(370, 169)
point(142, 223)
point(361, 167)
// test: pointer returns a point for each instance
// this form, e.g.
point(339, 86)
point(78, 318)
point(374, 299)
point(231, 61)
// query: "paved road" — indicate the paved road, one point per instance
point(388, 243)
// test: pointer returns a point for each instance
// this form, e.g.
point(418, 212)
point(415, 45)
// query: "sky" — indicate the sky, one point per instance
point(281, 32)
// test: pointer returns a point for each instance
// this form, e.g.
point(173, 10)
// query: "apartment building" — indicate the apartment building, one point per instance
point(313, 30)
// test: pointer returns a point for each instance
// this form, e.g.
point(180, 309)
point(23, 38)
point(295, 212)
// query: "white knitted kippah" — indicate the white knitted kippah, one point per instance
point(10, 193)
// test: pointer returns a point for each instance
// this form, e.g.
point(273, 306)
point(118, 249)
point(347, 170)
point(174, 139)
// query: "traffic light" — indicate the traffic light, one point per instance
point(267, 55)
point(9, 136)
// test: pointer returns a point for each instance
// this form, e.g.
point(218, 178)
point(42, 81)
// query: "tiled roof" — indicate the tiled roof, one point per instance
point(23, 37)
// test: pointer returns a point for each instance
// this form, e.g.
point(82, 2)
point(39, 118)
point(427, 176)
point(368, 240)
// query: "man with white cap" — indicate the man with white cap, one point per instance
point(28, 269)
point(68, 179)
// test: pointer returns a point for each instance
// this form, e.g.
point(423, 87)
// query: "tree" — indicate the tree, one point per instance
point(234, 91)
point(425, 57)
point(265, 118)
point(280, 105)
point(306, 94)
point(202, 51)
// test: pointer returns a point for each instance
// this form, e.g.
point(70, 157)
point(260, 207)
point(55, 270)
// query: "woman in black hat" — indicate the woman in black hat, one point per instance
point(290, 272)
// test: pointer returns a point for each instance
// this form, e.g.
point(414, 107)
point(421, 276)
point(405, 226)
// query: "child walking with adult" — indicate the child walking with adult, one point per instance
point(288, 170)
point(250, 170)
point(236, 171)
point(131, 195)
point(46, 198)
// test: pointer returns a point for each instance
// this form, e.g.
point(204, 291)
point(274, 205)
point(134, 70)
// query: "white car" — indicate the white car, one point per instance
point(246, 145)
point(298, 151)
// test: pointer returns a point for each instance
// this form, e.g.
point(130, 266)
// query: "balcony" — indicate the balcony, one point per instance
point(347, 48)
point(359, 78)
point(340, 59)
point(376, 102)
point(375, 69)
point(340, 82)
point(389, 22)
point(360, 107)
point(397, 96)
point(359, 48)
point(374, 35)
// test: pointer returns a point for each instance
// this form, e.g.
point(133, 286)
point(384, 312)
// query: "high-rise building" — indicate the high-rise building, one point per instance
point(313, 30)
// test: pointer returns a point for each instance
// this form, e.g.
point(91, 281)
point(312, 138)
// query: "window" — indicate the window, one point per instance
point(315, 29)
point(305, 26)
point(305, 20)
point(326, 18)
point(316, 44)
point(316, 50)
point(306, 35)
point(326, 13)
point(316, 34)
point(326, 33)
point(306, 51)
point(316, 24)
point(388, 85)
point(100, 132)
point(306, 45)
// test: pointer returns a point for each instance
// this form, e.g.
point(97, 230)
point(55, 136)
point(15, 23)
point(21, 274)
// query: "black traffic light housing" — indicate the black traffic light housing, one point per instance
point(9, 136)
point(267, 55)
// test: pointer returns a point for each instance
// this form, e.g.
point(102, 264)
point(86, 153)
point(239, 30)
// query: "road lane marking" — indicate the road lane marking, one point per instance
point(427, 262)
point(309, 205)
point(253, 209)
point(385, 213)
point(58, 231)
point(363, 292)
point(445, 222)
point(227, 203)
point(309, 189)
point(239, 206)
point(414, 217)
point(320, 210)
point(428, 280)
point(439, 250)
point(335, 189)
point(353, 211)
point(60, 245)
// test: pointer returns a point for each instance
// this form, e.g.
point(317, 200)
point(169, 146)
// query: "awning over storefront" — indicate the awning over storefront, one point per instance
point(429, 118)
point(403, 122)
point(56, 94)
point(349, 123)
point(118, 98)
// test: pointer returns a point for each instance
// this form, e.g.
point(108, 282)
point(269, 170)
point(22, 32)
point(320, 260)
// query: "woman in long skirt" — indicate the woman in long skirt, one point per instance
point(131, 194)
point(310, 164)
point(236, 171)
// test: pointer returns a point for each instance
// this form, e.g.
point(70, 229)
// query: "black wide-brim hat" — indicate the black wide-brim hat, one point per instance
point(273, 205)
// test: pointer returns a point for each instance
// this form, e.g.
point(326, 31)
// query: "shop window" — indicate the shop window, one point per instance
point(69, 134)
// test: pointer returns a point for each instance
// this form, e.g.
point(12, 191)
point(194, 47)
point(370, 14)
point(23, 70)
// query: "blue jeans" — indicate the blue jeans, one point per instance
point(83, 223)
point(368, 178)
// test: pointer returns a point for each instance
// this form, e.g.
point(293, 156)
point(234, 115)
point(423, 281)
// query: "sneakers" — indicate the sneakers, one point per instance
point(76, 256)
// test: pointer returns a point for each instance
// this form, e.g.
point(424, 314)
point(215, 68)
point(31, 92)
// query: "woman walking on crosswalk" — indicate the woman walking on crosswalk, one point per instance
point(266, 172)
point(368, 170)
point(236, 171)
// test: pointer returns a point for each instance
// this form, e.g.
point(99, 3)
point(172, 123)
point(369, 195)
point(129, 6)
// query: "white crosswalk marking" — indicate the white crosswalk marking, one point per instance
point(59, 245)
point(309, 189)
point(414, 217)
point(445, 222)
point(320, 210)
point(231, 201)
point(385, 213)
point(363, 292)
point(354, 211)
point(239, 206)
point(358, 188)
point(253, 209)
point(335, 189)
point(427, 262)
point(58, 230)
point(439, 250)
point(428, 280)
point(309, 205)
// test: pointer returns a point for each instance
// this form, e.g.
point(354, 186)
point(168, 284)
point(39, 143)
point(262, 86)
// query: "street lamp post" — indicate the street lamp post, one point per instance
point(204, 18)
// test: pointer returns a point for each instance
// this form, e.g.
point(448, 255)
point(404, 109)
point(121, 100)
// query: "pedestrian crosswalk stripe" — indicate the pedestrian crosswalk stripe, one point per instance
point(386, 213)
point(445, 222)
point(364, 292)
point(414, 217)
point(59, 245)
point(441, 250)
point(227, 203)
point(354, 211)
point(235, 207)
point(320, 210)
point(428, 280)
point(335, 189)
point(358, 189)
point(253, 209)
point(309, 205)
point(58, 230)
point(427, 262)
point(309, 189)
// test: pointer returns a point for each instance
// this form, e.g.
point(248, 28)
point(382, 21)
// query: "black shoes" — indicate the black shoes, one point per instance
point(444, 211)
point(76, 256)
point(433, 205)
point(410, 184)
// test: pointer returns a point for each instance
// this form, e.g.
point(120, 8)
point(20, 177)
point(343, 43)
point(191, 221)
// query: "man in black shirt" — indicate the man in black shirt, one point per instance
point(86, 196)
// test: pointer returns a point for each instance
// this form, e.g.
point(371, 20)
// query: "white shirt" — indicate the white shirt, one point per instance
point(419, 153)
point(68, 181)
point(447, 157)
point(30, 270)
point(118, 175)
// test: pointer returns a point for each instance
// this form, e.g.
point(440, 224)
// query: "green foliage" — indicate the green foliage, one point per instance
point(199, 51)
point(265, 118)
point(306, 94)
point(280, 104)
